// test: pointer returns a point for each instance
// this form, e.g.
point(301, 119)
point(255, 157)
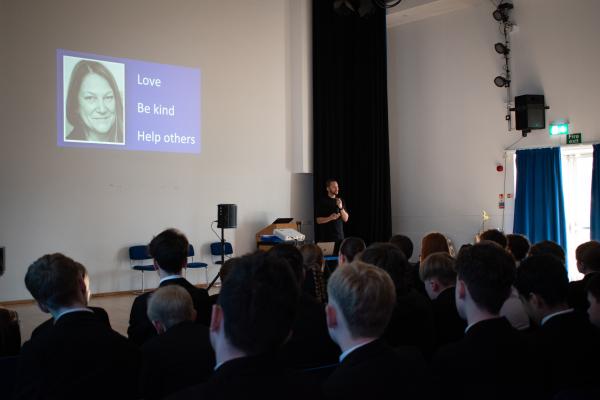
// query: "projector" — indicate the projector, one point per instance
point(288, 235)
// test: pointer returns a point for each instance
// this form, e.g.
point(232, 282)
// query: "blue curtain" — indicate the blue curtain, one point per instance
point(539, 201)
point(595, 210)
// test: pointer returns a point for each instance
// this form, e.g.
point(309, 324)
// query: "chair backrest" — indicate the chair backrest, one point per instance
point(138, 253)
point(215, 249)
point(191, 252)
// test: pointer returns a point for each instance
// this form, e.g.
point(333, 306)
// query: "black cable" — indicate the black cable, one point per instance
point(215, 232)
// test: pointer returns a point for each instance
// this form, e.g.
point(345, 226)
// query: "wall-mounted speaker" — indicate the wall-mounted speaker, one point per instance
point(227, 216)
point(530, 112)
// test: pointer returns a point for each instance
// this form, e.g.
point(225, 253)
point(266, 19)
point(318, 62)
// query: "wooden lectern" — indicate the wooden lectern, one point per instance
point(268, 230)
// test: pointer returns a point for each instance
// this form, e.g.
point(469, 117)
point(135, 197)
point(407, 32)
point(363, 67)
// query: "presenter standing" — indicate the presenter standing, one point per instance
point(331, 215)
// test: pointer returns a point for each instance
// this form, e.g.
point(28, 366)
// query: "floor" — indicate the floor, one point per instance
point(117, 306)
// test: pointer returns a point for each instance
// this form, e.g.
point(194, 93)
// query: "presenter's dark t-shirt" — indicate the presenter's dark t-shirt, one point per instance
point(333, 231)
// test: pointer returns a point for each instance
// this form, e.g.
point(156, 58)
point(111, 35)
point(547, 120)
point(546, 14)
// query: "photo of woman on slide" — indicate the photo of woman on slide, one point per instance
point(94, 106)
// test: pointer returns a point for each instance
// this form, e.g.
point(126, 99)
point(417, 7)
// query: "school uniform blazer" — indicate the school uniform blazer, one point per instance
point(377, 371)
point(80, 357)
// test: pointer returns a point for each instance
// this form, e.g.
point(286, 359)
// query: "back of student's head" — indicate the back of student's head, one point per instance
point(488, 271)
point(226, 267)
point(259, 300)
point(548, 247)
point(169, 249)
point(404, 243)
point(494, 235)
point(54, 280)
point(350, 247)
point(292, 255)
point(440, 266)
point(392, 260)
point(170, 305)
point(545, 276)
point(434, 242)
point(312, 256)
point(518, 245)
point(588, 256)
point(365, 296)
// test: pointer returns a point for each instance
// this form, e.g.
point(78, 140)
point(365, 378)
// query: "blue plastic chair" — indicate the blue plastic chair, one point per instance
point(195, 264)
point(215, 251)
point(140, 260)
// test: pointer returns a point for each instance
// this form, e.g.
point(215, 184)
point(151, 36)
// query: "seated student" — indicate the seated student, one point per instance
point(548, 247)
point(169, 250)
point(80, 357)
point(180, 356)
point(403, 243)
point(588, 263)
point(593, 295)
point(406, 246)
point(412, 322)
point(309, 345)
point(361, 301)
point(512, 308)
point(566, 344)
point(494, 235)
point(433, 242)
point(518, 245)
point(349, 249)
point(253, 317)
point(491, 361)
point(314, 279)
point(439, 276)
point(99, 313)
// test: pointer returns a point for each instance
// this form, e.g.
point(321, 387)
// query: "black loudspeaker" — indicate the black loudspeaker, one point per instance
point(530, 112)
point(227, 216)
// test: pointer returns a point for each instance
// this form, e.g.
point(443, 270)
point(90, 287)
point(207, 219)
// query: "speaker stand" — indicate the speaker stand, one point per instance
point(222, 259)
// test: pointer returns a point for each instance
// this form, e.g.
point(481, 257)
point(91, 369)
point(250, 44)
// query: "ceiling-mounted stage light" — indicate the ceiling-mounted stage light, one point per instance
point(501, 48)
point(501, 13)
point(362, 8)
point(501, 81)
point(387, 3)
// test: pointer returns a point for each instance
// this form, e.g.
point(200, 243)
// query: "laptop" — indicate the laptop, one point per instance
point(327, 248)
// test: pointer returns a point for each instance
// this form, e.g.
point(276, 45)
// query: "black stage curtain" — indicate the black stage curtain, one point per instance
point(350, 117)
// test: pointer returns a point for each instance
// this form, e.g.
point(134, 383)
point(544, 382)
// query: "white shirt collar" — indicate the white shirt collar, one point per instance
point(168, 278)
point(351, 349)
point(71, 310)
point(547, 317)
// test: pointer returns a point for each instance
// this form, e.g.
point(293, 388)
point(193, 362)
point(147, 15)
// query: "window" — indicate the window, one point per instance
point(577, 189)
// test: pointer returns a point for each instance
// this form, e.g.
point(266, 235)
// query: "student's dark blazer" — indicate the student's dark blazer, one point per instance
point(140, 328)
point(310, 345)
point(577, 297)
point(180, 357)
point(80, 357)
point(377, 371)
point(412, 323)
point(449, 326)
point(253, 377)
point(492, 361)
point(99, 313)
point(568, 347)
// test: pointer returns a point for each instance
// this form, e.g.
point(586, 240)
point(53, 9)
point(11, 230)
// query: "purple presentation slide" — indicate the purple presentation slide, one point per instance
point(117, 103)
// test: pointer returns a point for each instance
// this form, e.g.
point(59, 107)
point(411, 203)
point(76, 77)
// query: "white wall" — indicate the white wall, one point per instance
point(447, 128)
point(92, 204)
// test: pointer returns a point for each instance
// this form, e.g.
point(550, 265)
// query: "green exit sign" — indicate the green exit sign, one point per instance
point(574, 138)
